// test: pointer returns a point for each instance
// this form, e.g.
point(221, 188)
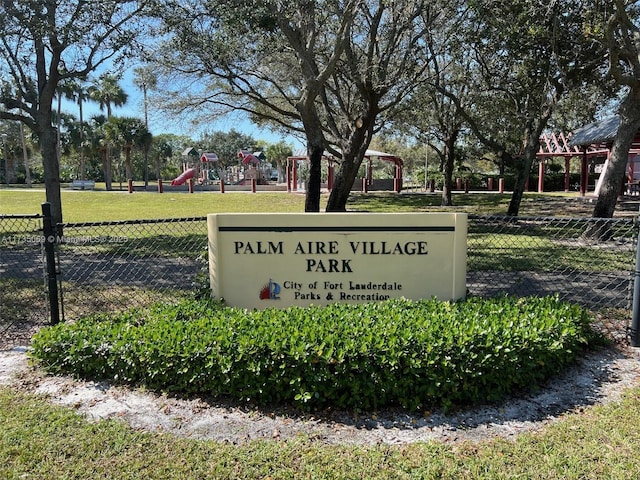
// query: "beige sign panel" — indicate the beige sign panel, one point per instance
point(279, 260)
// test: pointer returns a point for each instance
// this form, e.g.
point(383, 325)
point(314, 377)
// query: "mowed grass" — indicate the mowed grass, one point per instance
point(95, 206)
point(40, 441)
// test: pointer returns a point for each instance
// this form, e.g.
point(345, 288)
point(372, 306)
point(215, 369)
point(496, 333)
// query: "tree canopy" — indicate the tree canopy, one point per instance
point(337, 72)
point(44, 43)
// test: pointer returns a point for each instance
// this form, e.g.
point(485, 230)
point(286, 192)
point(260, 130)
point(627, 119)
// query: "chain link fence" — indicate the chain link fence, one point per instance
point(111, 266)
point(583, 260)
point(23, 294)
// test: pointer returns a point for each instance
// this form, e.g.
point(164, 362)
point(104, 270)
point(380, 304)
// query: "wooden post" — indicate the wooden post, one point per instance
point(584, 174)
point(541, 176)
point(294, 175)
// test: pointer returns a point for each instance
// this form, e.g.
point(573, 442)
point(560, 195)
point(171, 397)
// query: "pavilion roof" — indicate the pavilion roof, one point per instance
point(602, 131)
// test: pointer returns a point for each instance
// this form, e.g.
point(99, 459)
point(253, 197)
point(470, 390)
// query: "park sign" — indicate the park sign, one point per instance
point(283, 259)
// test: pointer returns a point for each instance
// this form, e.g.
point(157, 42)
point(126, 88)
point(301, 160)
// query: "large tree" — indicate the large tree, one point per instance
point(385, 59)
point(332, 69)
point(622, 38)
point(526, 55)
point(45, 42)
point(266, 58)
point(432, 117)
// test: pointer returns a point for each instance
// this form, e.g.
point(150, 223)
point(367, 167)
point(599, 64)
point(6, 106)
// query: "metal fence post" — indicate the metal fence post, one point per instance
point(635, 322)
point(49, 232)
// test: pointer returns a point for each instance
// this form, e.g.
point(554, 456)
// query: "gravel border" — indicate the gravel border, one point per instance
point(597, 377)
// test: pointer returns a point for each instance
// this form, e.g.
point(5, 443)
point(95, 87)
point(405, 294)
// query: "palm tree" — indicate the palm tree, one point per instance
point(127, 132)
point(77, 92)
point(145, 79)
point(107, 93)
point(95, 142)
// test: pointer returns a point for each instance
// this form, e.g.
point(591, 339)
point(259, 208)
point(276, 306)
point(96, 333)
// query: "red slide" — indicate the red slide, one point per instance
point(183, 177)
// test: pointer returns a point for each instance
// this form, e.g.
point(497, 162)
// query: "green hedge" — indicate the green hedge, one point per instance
point(395, 353)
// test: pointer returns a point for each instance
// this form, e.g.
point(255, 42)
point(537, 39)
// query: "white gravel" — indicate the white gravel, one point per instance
point(596, 378)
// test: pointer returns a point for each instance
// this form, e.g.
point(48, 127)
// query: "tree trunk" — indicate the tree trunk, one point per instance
point(629, 114)
point(523, 166)
point(10, 168)
point(447, 185)
point(83, 168)
point(25, 157)
point(449, 162)
point(312, 198)
point(106, 165)
point(315, 152)
point(531, 147)
point(353, 152)
point(48, 147)
point(342, 185)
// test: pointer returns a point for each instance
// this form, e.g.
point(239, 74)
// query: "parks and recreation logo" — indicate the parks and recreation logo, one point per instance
point(270, 291)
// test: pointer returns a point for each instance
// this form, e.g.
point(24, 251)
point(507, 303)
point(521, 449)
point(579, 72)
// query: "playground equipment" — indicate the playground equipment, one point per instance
point(252, 169)
point(202, 168)
point(208, 168)
point(183, 177)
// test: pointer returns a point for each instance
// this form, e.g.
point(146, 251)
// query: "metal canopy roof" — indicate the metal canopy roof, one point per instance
point(597, 132)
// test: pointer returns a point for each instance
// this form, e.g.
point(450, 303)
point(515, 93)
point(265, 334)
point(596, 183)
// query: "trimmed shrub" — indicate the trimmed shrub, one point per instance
point(413, 354)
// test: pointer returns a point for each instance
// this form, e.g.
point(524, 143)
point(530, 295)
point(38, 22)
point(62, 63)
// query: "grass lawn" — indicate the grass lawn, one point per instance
point(90, 206)
point(40, 441)
point(95, 206)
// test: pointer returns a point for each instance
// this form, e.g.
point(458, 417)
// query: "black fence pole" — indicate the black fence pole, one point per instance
point(635, 321)
point(49, 232)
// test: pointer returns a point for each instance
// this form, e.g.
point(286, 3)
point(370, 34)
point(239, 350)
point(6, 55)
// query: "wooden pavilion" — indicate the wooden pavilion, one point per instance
point(600, 136)
point(591, 142)
point(367, 183)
